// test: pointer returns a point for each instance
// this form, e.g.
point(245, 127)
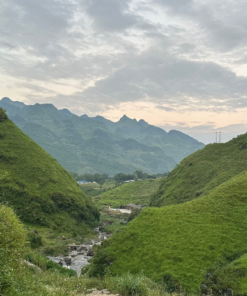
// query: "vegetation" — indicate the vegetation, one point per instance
point(46, 278)
point(112, 221)
point(38, 188)
point(118, 178)
point(12, 246)
point(89, 145)
point(138, 192)
point(180, 244)
point(202, 171)
point(134, 213)
point(45, 264)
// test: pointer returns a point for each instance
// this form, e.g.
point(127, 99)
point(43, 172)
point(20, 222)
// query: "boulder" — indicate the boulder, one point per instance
point(67, 260)
point(90, 253)
point(73, 253)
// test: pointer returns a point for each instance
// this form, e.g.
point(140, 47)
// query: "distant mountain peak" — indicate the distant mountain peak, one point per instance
point(125, 118)
point(143, 122)
point(66, 112)
point(6, 99)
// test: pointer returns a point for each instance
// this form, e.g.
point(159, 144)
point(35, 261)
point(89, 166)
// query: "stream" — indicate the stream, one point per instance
point(79, 255)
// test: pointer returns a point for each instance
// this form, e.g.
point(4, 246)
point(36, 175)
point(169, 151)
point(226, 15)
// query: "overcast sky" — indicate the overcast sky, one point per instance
point(175, 63)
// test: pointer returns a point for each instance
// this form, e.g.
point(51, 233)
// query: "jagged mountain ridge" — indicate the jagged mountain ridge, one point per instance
point(87, 145)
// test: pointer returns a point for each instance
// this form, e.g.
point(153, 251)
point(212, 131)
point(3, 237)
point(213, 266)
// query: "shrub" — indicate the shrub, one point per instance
point(35, 240)
point(12, 246)
point(3, 115)
point(128, 284)
point(46, 264)
point(134, 213)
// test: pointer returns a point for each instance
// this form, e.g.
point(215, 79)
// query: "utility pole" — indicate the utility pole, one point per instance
point(219, 137)
point(216, 137)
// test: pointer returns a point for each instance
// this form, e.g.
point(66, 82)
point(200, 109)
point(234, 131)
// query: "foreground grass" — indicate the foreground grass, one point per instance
point(179, 244)
point(203, 171)
point(138, 192)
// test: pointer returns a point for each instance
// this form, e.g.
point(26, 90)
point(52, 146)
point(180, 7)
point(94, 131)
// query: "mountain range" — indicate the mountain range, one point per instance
point(85, 144)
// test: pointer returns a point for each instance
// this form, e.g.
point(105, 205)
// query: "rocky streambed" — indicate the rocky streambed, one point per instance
point(79, 255)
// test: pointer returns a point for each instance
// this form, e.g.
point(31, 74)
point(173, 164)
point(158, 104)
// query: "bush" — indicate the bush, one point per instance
point(12, 246)
point(134, 213)
point(35, 240)
point(46, 264)
point(3, 115)
point(128, 284)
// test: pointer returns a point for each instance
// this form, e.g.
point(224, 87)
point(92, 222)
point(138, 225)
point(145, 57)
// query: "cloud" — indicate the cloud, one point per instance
point(176, 6)
point(111, 15)
point(178, 55)
point(156, 76)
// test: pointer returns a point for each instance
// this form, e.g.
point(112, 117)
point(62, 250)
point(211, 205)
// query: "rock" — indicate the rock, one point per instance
point(90, 253)
point(67, 260)
point(204, 288)
point(73, 253)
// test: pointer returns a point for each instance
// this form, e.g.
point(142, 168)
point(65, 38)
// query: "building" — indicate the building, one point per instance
point(83, 182)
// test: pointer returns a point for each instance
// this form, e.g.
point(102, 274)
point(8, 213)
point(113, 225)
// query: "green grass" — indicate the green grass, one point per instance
point(94, 189)
point(54, 242)
point(138, 192)
point(203, 171)
point(38, 188)
point(46, 278)
point(118, 220)
point(179, 244)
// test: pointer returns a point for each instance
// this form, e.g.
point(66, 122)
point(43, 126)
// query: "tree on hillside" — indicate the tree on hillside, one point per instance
point(3, 115)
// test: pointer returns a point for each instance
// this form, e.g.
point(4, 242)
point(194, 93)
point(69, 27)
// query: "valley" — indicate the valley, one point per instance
point(180, 234)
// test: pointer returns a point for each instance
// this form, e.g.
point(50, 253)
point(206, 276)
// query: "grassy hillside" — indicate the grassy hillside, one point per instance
point(37, 186)
point(202, 171)
point(138, 192)
point(179, 244)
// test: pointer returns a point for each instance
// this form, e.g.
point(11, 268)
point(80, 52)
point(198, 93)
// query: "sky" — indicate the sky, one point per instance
point(177, 64)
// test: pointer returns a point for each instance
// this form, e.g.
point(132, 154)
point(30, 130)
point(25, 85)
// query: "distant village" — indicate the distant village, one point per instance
point(86, 182)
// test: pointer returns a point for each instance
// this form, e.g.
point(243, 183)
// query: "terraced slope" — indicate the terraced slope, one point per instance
point(37, 186)
point(202, 171)
point(179, 244)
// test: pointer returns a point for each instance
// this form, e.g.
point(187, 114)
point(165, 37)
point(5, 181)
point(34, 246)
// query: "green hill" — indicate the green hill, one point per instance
point(138, 192)
point(37, 186)
point(180, 244)
point(96, 145)
point(202, 171)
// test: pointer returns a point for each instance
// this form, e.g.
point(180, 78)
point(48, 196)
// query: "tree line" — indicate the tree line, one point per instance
point(118, 178)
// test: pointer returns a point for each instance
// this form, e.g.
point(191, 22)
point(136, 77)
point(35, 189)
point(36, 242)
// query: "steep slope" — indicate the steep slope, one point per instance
point(202, 171)
point(37, 187)
point(175, 144)
point(179, 244)
point(138, 192)
point(89, 145)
